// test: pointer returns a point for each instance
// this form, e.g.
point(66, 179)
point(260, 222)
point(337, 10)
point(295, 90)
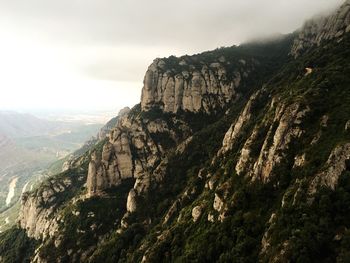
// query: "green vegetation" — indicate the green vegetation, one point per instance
point(65, 142)
point(316, 232)
point(277, 219)
point(85, 221)
point(15, 246)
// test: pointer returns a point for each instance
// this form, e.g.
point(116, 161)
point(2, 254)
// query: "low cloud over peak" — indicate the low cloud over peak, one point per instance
point(116, 40)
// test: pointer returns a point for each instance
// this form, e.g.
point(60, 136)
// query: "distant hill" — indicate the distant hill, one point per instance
point(15, 125)
point(28, 145)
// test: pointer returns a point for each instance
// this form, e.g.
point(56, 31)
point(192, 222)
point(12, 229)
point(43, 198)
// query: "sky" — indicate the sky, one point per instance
point(93, 54)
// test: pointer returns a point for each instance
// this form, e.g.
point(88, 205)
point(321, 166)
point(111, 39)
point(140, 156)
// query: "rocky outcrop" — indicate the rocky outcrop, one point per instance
point(299, 160)
point(105, 130)
point(131, 202)
point(265, 242)
point(337, 163)
point(89, 144)
point(117, 162)
point(218, 203)
point(235, 130)
point(186, 197)
point(246, 161)
point(320, 29)
point(179, 85)
point(196, 213)
point(273, 151)
point(133, 152)
point(281, 131)
point(38, 208)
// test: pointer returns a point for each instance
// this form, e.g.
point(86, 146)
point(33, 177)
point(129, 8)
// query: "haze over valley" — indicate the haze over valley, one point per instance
point(30, 145)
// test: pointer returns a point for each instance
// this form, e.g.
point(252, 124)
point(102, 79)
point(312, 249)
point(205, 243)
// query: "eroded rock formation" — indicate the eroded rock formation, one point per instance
point(337, 163)
point(191, 88)
point(36, 214)
point(320, 29)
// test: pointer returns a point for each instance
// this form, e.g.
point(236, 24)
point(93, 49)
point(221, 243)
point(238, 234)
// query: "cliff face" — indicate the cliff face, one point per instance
point(193, 86)
point(39, 213)
point(236, 154)
point(138, 145)
point(322, 29)
point(131, 152)
point(280, 129)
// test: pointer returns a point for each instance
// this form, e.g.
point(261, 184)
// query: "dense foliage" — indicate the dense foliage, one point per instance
point(15, 246)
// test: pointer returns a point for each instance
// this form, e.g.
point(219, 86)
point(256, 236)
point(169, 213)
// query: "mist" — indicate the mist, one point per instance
point(97, 51)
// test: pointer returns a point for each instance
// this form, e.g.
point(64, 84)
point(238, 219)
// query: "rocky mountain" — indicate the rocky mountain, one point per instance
point(315, 31)
point(240, 154)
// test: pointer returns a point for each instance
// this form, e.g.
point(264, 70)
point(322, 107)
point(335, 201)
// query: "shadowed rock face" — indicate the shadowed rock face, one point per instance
point(323, 28)
point(202, 88)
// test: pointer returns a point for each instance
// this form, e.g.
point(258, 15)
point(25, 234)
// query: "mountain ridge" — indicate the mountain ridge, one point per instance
point(250, 167)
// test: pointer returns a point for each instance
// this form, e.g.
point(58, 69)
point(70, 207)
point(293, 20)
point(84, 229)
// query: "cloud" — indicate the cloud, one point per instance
point(116, 40)
point(187, 24)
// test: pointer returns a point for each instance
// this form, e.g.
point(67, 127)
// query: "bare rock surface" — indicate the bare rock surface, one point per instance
point(317, 30)
point(179, 87)
point(337, 163)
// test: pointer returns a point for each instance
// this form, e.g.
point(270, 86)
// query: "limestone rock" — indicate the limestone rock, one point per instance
point(143, 183)
point(124, 159)
point(235, 129)
point(265, 242)
point(131, 204)
point(337, 163)
point(316, 138)
point(198, 89)
point(211, 218)
point(174, 209)
point(185, 198)
point(288, 117)
point(182, 146)
point(105, 130)
point(211, 183)
point(96, 181)
point(317, 30)
point(117, 162)
point(299, 160)
point(124, 111)
point(38, 208)
point(276, 141)
point(196, 213)
point(218, 203)
point(245, 162)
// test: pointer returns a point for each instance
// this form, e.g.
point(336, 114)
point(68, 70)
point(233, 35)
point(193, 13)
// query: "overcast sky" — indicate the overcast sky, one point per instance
point(92, 54)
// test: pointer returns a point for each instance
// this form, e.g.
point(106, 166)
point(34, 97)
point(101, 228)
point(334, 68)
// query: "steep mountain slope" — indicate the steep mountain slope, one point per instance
point(240, 154)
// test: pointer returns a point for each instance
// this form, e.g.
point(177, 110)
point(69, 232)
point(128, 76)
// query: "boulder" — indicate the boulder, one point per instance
point(196, 213)
point(131, 201)
point(218, 203)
